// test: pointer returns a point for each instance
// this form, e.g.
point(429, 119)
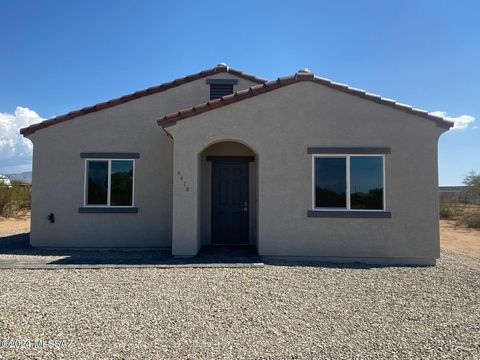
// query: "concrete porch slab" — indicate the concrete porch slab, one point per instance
point(21, 256)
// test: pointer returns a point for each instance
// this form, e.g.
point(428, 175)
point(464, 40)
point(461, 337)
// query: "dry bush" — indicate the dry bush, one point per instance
point(464, 214)
point(471, 216)
point(14, 199)
point(6, 201)
point(472, 220)
point(21, 194)
point(450, 210)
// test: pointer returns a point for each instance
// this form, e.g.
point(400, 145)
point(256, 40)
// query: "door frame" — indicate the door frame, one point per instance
point(231, 160)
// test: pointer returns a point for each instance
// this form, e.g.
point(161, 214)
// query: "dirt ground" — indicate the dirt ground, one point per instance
point(459, 238)
point(452, 237)
point(17, 225)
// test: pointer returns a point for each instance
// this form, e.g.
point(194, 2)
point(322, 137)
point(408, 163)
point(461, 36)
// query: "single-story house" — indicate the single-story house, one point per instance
point(300, 167)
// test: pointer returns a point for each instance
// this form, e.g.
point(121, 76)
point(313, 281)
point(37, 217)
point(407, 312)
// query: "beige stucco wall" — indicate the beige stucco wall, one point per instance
point(58, 172)
point(279, 126)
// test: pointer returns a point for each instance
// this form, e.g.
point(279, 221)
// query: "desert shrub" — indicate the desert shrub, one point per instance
point(471, 216)
point(450, 210)
point(6, 201)
point(21, 194)
point(471, 220)
point(14, 198)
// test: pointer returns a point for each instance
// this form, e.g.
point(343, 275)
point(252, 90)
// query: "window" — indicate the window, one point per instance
point(109, 183)
point(219, 90)
point(330, 182)
point(348, 182)
point(366, 182)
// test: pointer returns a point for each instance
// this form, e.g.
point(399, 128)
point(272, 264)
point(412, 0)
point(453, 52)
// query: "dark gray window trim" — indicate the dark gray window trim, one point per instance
point(109, 155)
point(349, 214)
point(222, 81)
point(234, 159)
point(348, 150)
point(105, 210)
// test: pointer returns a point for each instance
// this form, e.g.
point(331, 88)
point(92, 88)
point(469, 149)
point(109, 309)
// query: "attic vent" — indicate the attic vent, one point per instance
point(218, 90)
point(221, 87)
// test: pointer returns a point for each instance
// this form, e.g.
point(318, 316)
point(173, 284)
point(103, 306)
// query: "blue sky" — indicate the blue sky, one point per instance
point(58, 56)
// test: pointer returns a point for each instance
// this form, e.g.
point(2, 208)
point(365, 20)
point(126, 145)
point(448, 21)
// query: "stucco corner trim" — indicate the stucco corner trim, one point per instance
point(109, 155)
point(348, 150)
point(107, 210)
point(349, 214)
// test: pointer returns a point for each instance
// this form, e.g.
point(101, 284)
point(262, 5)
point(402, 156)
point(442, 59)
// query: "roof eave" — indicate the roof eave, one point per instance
point(221, 68)
point(173, 118)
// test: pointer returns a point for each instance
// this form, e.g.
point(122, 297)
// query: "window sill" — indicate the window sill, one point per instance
point(348, 214)
point(107, 210)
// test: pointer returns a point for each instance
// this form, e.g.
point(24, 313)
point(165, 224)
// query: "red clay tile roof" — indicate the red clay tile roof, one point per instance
point(303, 75)
point(220, 68)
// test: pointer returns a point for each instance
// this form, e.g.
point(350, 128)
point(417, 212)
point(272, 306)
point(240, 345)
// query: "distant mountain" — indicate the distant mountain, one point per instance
point(25, 177)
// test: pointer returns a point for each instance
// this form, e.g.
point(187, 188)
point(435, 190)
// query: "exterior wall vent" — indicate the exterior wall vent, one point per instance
point(221, 87)
point(219, 90)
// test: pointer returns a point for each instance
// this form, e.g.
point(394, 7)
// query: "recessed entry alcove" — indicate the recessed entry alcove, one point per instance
point(228, 194)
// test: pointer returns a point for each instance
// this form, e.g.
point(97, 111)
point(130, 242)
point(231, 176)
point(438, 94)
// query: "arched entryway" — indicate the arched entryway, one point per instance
point(228, 194)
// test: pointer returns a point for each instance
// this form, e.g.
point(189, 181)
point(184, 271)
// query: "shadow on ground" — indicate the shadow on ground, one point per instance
point(16, 241)
point(208, 255)
point(26, 255)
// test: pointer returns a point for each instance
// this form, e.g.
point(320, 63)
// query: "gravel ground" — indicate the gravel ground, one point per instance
point(271, 312)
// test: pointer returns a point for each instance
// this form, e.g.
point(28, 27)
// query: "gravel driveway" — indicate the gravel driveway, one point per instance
point(269, 312)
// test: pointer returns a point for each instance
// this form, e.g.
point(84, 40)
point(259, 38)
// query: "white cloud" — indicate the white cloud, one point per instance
point(460, 122)
point(16, 150)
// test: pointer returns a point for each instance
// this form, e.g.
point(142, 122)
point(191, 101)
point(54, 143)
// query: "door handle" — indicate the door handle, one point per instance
point(245, 206)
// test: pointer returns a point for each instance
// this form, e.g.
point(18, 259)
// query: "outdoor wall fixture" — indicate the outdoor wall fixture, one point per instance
point(51, 218)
